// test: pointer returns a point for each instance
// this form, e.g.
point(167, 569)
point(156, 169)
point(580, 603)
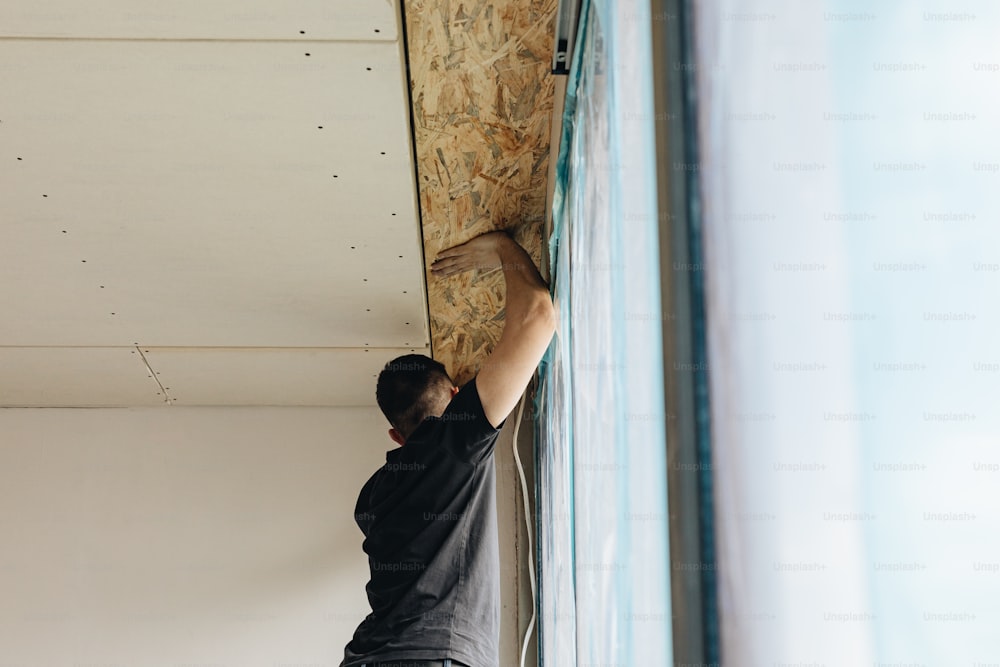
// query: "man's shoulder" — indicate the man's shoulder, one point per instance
point(462, 430)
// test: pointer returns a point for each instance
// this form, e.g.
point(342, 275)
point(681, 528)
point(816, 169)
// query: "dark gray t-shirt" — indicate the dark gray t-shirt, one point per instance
point(429, 520)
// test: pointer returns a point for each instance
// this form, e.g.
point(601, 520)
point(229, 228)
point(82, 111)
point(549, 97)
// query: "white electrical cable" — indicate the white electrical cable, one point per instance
point(527, 523)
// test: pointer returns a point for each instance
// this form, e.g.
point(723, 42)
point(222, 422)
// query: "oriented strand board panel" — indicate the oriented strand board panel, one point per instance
point(482, 104)
point(280, 377)
point(207, 194)
point(196, 19)
point(76, 377)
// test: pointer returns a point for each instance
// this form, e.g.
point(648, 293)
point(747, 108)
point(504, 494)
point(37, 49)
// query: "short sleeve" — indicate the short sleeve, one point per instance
point(464, 428)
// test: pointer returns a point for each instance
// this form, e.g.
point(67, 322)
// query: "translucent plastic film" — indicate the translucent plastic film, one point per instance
point(604, 577)
point(849, 179)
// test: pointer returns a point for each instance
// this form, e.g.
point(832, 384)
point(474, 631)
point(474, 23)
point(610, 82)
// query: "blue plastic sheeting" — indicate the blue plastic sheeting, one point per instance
point(603, 550)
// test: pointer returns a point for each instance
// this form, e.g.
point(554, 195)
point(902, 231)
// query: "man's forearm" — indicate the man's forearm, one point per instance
point(529, 323)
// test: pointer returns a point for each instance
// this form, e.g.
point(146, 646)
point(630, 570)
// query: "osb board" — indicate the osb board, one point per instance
point(480, 73)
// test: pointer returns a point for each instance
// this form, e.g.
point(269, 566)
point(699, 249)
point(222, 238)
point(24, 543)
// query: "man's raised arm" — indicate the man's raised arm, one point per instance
point(529, 322)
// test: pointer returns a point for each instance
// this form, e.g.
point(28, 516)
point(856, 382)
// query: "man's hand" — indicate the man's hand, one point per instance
point(481, 253)
point(528, 325)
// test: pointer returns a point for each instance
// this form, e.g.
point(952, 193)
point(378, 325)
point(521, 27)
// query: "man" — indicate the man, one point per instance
point(429, 514)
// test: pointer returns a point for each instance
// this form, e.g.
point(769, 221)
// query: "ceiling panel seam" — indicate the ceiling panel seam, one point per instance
point(70, 38)
point(208, 348)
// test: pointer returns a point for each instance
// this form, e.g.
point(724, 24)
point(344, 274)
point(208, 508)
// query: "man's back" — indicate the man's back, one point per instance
point(429, 515)
point(429, 519)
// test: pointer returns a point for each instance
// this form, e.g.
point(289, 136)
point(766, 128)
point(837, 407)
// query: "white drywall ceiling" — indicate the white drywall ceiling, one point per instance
point(189, 19)
point(204, 206)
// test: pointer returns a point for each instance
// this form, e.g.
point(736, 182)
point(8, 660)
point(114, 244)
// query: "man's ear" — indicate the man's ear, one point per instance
point(397, 437)
point(454, 390)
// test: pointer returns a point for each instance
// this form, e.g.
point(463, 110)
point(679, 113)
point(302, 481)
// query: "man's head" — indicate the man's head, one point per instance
point(411, 388)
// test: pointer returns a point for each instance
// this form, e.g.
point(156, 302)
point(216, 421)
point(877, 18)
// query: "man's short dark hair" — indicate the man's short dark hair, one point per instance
point(411, 388)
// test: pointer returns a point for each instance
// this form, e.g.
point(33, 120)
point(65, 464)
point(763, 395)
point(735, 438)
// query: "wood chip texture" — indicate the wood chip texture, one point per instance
point(482, 93)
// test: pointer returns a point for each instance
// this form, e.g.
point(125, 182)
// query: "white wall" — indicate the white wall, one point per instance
point(169, 536)
point(204, 537)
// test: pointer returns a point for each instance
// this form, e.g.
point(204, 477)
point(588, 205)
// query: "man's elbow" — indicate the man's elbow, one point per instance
point(534, 317)
point(542, 313)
